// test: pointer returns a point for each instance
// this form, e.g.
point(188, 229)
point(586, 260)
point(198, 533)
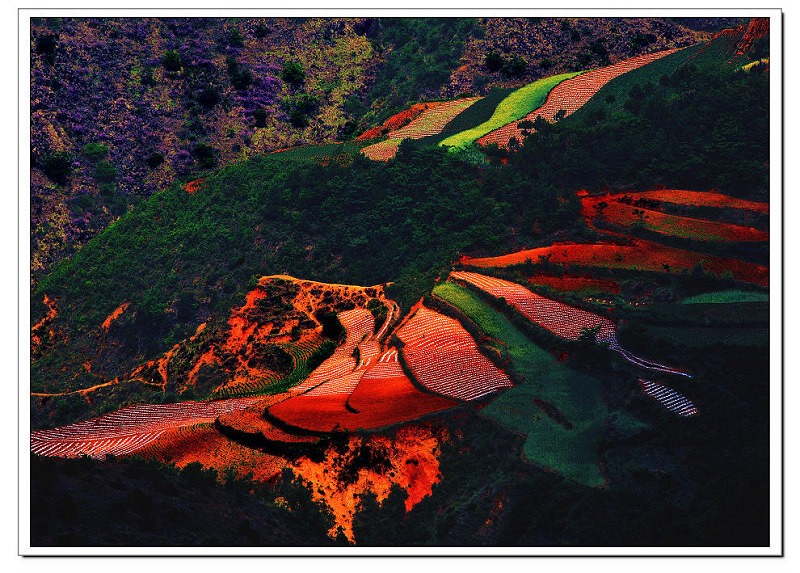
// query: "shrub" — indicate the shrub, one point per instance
point(57, 167)
point(105, 172)
point(515, 67)
point(95, 151)
point(208, 97)
point(172, 61)
point(205, 155)
point(300, 108)
point(155, 160)
point(239, 75)
point(293, 73)
point(46, 47)
point(235, 38)
point(493, 62)
point(183, 162)
point(260, 117)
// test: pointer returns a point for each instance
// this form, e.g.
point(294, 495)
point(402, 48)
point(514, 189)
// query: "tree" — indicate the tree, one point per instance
point(493, 62)
point(57, 167)
point(515, 67)
point(172, 61)
point(293, 73)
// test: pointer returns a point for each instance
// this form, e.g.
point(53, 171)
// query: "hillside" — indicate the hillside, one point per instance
point(533, 312)
point(202, 93)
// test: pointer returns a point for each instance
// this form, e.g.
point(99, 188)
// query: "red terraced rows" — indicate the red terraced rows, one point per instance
point(128, 429)
point(638, 255)
point(429, 122)
point(359, 325)
point(383, 395)
point(398, 120)
point(669, 398)
point(697, 198)
point(562, 320)
point(569, 96)
point(672, 225)
point(445, 359)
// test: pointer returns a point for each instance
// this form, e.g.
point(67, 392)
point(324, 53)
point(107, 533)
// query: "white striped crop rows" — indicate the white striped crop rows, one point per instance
point(445, 358)
point(669, 398)
point(561, 319)
point(129, 429)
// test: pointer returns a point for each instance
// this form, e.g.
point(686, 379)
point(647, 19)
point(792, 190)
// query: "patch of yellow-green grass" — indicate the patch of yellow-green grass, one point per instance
point(517, 105)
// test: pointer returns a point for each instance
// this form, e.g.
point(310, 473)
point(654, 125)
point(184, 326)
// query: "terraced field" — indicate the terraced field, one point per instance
point(625, 214)
point(575, 283)
point(129, 429)
point(343, 394)
point(558, 318)
point(559, 410)
point(635, 255)
point(430, 122)
point(398, 120)
point(445, 358)
point(698, 199)
point(672, 400)
point(515, 106)
point(726, 297)
point(567, 97)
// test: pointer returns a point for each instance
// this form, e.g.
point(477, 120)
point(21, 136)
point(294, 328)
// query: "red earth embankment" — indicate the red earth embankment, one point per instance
point(628, 212)
point(636, 255)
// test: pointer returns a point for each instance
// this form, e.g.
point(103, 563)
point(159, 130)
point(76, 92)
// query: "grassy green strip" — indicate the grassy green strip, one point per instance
point(316, 152)
point(475, 114)
point(569, 451)
point(727, 296)
point(515, 106)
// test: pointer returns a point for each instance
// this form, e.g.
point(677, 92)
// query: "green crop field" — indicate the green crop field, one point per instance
point(515, 106)
point(475, 114)
point(571, 452)
point(727, 296)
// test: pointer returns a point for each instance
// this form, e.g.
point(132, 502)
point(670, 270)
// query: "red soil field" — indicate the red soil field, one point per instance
point(623, 214)
point(692, 198)
point(562, 320)
point(193, 186)
point(575, 283)
point(445, 359)
point(757, 28)
point(398, 120)
point(637, 255)
point(252, 421)
point(202, 443)
point(430, 122)
point(129, 429)
point(569, 96)
point(38, 329)
point(378, 396)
